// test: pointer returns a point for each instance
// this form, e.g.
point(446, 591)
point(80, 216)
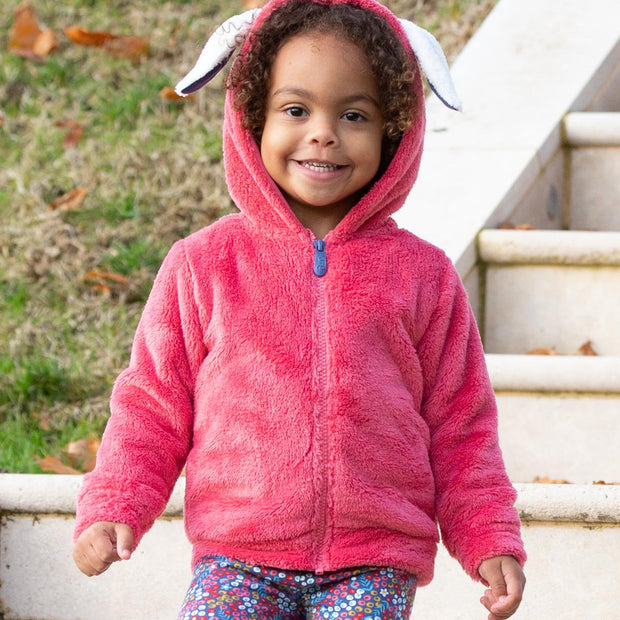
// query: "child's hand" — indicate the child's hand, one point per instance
point(506, 582)
point(102, 544)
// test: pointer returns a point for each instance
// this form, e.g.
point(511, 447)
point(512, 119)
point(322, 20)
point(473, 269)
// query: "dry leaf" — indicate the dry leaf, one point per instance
point(74, 132)
point(54, 465)
point(96, 274)
point(131, 47)
point(508, 225)
point(547, 480)
point(46, 43)
point(104, 282)
point(81, 36)
point(169, 94)
point(253, 4)
point(27, 38)
point(586, 349)
point(25, 29)
point(100, 287)
point(70, 200)
point(82, 454)
point(543, 351)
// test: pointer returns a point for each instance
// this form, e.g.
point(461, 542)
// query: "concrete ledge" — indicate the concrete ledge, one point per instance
point(568, 531)
point(554, 373)
point(572, 503)
point(592, 129)
point(549, 247)
point(55, 495)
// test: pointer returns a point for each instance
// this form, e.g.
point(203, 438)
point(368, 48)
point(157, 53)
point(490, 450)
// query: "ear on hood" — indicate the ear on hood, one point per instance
point(232, 33)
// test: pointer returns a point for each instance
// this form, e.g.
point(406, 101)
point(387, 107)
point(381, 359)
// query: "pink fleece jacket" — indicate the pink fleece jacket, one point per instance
point(324, 421)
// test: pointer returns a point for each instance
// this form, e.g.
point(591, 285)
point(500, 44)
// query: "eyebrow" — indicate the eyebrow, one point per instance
point(302, 92)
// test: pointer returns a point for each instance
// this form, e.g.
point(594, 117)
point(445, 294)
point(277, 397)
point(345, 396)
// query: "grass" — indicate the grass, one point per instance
point(153, 174)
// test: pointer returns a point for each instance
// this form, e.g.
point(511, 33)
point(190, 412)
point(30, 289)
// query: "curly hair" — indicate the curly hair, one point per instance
point(250, 74)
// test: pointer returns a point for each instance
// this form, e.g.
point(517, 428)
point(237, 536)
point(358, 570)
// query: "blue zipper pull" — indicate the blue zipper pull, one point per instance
point(320, 260)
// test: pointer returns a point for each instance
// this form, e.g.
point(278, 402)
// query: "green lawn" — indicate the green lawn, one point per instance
point(73, 282)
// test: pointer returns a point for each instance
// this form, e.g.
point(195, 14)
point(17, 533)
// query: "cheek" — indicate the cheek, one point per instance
point(372, 153)
point(267, 149)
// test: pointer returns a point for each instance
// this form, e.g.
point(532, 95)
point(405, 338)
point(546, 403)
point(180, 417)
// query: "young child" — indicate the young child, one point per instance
point(316, 369)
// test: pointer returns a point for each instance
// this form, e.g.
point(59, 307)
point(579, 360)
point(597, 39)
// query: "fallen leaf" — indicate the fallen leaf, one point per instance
point(96, 275)
point(54, 465)
point(73, 134)
point(587, 349)
point(100, 287)
point(508, 225)
point(543, 351)
point(46, 43)
point(27, 38)
point(253, 4)
point(70, 200)
point(106, 282)
point(131, 47)
point(547, 480)
point(82, 454)
point(169, 94)
point(25, 29)
point(81, 36)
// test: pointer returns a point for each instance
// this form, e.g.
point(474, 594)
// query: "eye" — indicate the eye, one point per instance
point(354, 117)
point(295, 111)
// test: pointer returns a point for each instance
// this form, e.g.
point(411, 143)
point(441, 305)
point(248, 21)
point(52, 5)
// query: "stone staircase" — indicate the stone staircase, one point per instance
point(554, 287)
point(554, 291)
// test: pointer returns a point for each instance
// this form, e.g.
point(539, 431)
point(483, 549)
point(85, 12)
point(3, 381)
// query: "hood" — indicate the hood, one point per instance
point(259, 198)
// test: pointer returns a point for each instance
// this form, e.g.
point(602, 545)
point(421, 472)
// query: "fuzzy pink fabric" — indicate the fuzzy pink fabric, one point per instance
point(324, 422)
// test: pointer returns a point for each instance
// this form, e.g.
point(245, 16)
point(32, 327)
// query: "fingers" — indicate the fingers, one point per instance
point(101, 545)
point(507, 581)
point(124, 541)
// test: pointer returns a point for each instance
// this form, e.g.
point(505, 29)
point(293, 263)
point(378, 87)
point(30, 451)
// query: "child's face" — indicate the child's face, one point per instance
point(321, 142)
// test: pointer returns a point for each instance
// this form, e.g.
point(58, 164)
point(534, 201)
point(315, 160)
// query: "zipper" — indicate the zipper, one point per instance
point(320, 369)
point(320, 259)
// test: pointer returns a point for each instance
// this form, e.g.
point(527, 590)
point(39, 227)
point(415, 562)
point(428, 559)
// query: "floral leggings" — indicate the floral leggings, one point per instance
point(226, 588)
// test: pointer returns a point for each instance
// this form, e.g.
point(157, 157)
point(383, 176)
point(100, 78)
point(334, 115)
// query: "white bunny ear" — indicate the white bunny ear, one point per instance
point(433, 63)
point(217, 51)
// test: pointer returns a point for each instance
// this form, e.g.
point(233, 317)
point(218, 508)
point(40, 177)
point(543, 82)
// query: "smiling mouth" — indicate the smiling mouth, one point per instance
point(319, 166)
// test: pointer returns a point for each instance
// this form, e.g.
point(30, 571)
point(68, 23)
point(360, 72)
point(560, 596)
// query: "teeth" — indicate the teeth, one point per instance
point(319, 167)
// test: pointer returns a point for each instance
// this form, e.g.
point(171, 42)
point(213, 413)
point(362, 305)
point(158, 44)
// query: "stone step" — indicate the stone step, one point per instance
point(593, 157)
point(592, 129)
point(550, 247)
point(550, 289)
point(559, 416)
point(38, 579)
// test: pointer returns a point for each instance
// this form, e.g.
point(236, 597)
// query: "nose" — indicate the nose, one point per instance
point(322, 131)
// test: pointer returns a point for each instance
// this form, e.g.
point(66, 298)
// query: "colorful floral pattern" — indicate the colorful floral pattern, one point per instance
point(225, 588)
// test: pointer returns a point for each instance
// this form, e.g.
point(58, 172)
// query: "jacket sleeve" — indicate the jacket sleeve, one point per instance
point(474, 496)
point(148, 435)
